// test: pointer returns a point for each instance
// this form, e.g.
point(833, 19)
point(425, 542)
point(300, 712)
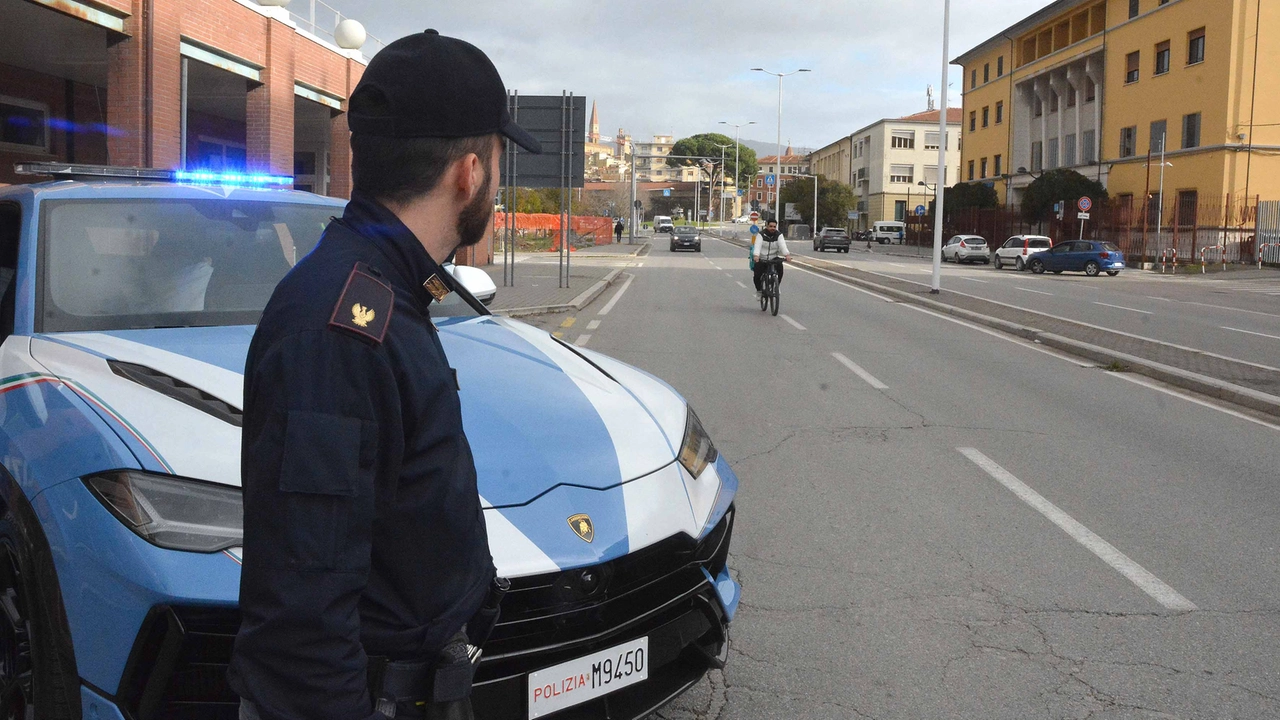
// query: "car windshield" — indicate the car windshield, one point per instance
point(683, 230)
point(1039, 243)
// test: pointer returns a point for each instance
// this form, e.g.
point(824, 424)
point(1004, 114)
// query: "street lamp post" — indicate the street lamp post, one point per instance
point(777, 208)
point(737, 170)
point(814, 229)
point(720, 217)
point(936, 286)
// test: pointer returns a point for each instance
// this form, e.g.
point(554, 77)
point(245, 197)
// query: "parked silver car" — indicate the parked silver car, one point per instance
point(1018, 248)
point(966, 248)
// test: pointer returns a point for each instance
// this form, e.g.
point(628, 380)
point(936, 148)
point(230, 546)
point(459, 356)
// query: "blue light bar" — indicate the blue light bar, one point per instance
point(230, 178)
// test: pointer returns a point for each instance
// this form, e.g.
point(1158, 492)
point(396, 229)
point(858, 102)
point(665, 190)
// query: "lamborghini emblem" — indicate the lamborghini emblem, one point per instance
point(581, 524)
point(361, 315)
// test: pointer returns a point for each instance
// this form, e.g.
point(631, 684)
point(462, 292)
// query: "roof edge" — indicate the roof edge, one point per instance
point(1055, 8)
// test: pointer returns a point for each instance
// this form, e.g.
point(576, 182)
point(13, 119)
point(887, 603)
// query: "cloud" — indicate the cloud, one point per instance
point(678, 67)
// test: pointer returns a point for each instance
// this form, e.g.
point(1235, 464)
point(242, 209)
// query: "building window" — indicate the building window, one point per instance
point(1191, 131)
point(1195, 46)
point(1069, 151)
point(1090, 90)
point(24, 124)
point(1133, 9)
point(1037, 156)
point(973, 120)
point(759, 197)
point(1124, 203)
point(1188, 202)
point(1162, 58)
point(902, 173)
point(1000, 66)
point(1053, 153)
point(1128, 141)
point(759, 182)
point(931, 141)
point(1155, 206)
point(1071, 96)
point(1158, 131)
point(899, 210)
point(1037, 107)
point(970, 169)
point(986, 72)
point(931, 174)
point(973, 78)
point(984, 168)
point(1132, 61)
point(986, 116)
point(1053, 101)
point(1088, 147)
point(998, 170)
point(999, 112)
point(903, 139)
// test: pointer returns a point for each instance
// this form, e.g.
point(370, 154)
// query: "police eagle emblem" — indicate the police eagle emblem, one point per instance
point(582, 527)
point(361, 315)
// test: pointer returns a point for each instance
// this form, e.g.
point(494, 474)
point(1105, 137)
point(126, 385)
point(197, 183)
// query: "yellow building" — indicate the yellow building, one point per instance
point(1093, 86)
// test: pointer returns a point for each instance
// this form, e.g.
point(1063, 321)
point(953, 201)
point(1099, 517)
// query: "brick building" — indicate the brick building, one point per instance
point(219, 84)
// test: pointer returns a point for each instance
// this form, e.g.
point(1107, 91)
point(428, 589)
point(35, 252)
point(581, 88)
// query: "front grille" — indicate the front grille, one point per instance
point(177, 669)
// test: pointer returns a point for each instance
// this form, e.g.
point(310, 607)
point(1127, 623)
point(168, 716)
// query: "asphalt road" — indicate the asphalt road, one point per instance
point(939, 521)
point(1236, 314)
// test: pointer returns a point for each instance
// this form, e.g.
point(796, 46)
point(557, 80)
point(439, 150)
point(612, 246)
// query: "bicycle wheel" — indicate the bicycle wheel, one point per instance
point(764, 294)
point(773, 298)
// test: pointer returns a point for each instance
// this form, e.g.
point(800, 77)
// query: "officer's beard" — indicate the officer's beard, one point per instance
point(475, 219)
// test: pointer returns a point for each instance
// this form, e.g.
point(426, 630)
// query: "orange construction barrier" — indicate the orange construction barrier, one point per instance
point(601, 227)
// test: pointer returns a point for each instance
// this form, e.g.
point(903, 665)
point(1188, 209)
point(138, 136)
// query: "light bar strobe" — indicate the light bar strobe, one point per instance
point(78, 171)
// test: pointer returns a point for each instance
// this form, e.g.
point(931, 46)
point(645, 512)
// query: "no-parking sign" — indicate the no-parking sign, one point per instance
point(1084, 204)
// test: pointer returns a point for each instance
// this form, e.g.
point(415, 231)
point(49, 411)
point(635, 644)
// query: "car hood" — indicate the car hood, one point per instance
point(537, 413)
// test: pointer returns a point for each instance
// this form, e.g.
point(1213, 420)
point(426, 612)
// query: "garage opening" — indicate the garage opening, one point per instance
point(53, 88)
point(215, 116)
point(312, 129)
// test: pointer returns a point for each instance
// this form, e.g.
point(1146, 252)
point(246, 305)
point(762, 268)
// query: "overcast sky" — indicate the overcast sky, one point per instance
point(678, 67)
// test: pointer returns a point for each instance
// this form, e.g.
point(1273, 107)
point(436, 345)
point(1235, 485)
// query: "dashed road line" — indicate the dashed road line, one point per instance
point(568, 322)
point(1121, 307)
point(1121, 563)
point(793, 323)
point(1038, 292)
point(616, 296)
point(1250, 332)
point(593, 324)
point(984, 282)
point(582, 340)
point(857, 370)
point(744, 287)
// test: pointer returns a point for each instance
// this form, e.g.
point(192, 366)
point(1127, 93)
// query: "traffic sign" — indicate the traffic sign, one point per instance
point(853, 214)
point(1082, 216)
point(919, 210)
point(1084, 204)
point(770, 180)
point(754, 216)
point(755, 229)
point(666, 192)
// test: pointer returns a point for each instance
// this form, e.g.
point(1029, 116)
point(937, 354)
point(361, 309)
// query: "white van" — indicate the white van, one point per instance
point(889, 232)
point(662, 223)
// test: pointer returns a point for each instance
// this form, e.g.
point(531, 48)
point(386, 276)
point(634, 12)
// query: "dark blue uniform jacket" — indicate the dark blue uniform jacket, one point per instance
point(363, 532)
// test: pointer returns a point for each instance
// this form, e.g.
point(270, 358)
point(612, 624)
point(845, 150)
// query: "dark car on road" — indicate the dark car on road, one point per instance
point(831, 237)
point(686, 237)
point(1088, 256)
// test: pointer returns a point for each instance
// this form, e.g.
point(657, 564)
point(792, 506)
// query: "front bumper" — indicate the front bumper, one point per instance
point(680, 243)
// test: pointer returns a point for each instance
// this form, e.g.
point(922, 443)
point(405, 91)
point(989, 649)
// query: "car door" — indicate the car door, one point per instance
point(1057, 258)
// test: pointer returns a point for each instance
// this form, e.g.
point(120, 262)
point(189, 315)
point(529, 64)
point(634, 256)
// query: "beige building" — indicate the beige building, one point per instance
point(886, 161)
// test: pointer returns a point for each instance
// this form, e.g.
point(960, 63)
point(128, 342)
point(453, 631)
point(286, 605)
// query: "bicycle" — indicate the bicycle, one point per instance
point(769, 287)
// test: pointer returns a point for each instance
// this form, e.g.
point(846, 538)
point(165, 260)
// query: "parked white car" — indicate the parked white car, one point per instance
point(1018, 248)
point(966, 248)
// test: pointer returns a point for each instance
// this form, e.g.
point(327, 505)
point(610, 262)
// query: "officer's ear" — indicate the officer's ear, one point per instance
point(473, 172)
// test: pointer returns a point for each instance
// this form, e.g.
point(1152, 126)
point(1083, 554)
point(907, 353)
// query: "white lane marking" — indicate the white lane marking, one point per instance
point(793, 323)
point(1121, 563)
point(1121, 307)
point(962, 277)
point(1153, 297)
point(851, 286)
point(728, 274)
point(744, 287)
point(616, 296)
point(1039, 292)
point(1226, 307)
point(1250, 332)
point(857, 370)
point(897, 264)
point(1007, 338)
point(582, 340)
point(593, 324)
point(716, 266)
point(1136, 380)
point(639, 264)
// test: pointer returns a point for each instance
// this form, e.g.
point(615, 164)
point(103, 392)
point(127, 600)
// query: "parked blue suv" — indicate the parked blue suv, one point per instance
point(1088, 256)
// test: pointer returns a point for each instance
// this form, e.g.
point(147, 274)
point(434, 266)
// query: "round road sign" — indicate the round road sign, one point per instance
point(755, 229)
point(919, 210)
point(1084, 204)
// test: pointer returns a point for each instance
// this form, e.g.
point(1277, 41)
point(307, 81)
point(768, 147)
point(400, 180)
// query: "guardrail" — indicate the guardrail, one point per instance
point(1263, 247)
point(1222, 250)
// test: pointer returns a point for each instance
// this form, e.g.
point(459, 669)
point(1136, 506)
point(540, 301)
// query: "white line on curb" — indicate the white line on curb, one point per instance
point(1138, 575)
point(1040, 292)
point(1191, 398)
point(1250, 332)
point(857, 370)
point(1121, 307)
point(793, 323)
point(616, 296)
point(593, 324)
point(582, 340)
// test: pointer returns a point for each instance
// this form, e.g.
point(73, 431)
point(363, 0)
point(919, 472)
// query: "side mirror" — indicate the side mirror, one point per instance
point(476, 281)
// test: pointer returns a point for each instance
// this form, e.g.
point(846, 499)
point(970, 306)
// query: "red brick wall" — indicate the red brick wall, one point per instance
point(270, 108)
point(89, 141)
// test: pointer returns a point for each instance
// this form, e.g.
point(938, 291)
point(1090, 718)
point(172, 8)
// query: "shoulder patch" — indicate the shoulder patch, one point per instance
point(365, 306)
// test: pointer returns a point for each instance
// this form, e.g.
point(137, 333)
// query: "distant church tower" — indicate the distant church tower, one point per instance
point(594, 135)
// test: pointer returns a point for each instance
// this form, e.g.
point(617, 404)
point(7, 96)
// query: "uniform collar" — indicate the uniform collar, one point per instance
point(408, 258)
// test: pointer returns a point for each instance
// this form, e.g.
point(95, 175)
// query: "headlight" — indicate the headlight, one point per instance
point(697, 451)
point(172, 512)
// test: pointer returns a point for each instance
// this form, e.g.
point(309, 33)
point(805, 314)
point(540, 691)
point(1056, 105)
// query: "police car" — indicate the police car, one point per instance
point(128, 301)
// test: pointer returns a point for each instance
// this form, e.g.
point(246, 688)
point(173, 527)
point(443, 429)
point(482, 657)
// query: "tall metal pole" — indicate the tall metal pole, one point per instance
point(631, 234)
point(737, 146)
point(936, 286)
point(777, 175)
point(1160, 209)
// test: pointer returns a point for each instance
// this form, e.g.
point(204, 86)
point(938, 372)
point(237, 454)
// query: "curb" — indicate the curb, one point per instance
point(582, 300)
point(1203, 384)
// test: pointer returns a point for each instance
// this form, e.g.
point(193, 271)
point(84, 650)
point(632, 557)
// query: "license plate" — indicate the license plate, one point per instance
point(577, 681)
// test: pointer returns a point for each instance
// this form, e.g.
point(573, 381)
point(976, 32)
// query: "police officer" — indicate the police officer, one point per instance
point(367, 577)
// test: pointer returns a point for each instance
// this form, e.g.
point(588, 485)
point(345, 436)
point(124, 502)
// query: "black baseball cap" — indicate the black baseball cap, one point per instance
point(429, 85)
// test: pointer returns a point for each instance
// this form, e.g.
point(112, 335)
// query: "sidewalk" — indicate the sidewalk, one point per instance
point(537, 279)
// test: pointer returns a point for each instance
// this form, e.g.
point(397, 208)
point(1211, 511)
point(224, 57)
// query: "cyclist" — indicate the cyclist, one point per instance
point(770, 246)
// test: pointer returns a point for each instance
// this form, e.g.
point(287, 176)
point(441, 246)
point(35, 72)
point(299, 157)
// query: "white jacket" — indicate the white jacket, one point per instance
point(770, 250)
